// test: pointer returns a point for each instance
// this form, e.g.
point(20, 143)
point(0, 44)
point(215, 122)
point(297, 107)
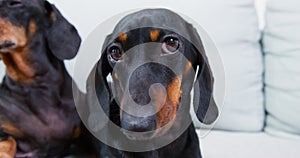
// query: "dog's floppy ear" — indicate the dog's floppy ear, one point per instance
point(102, 88)
point(207, 111)
point(62, 37)
point(98, 96)
point(98, 92)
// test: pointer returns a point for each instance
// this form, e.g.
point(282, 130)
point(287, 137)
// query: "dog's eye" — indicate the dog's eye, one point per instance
point(115, 53)
point(170, 45)
point(15, 3)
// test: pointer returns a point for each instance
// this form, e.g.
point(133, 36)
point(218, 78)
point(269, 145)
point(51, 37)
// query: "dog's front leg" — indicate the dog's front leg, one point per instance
point(8, 148)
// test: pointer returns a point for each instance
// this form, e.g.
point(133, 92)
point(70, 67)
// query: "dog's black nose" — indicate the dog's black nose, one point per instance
point(6, 45)
point(138, 124)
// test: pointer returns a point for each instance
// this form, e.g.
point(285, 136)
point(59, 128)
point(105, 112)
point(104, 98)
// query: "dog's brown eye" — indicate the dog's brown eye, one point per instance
point(170, 45)
point(115, 53)
point(15, 3)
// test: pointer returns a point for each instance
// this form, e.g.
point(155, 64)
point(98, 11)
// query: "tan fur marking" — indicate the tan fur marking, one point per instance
point(12, 33)
point(32, 28)
point(174, 91)
point(18, 67)
point(123, 37)
point(77, 132)
point(8, 148)
point(16, 58)
point(116, 76)
point(188, 67)
point(53, 16)
point(169, 110)
point(154, 35)
point(8, 128)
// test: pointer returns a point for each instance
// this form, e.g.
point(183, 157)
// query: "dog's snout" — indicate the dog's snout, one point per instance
point(141, 97)
point(138, 124)
point(146, 76)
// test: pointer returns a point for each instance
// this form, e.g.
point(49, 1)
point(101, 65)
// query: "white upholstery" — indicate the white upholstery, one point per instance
point(281, 42)
point(222, 144)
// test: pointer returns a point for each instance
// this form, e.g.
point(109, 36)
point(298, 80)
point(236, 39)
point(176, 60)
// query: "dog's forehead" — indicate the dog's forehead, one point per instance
point(23, 15)
point(36, 3)
point(163, 19)
point(147, 33)
point(159, 18)
point(149, 18)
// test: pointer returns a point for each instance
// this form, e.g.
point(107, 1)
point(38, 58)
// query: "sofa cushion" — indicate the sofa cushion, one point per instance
point(281, 43)
point(221, 144)
point(233, 25)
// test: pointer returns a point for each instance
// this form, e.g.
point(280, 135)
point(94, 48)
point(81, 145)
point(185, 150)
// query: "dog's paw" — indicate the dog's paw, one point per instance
point(8, 148)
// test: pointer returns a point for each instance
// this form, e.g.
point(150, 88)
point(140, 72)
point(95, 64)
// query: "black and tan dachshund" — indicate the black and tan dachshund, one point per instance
point(153, 57)
point(38, 117)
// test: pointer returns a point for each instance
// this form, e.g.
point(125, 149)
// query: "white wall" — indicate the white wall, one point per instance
point(87, 14)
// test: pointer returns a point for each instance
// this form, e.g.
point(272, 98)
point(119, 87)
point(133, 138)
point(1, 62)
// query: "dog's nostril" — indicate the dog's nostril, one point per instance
point(6, 45)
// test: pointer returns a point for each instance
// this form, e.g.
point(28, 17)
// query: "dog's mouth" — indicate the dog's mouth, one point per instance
point(147, 135)
point(137, 135)
point(6, 46)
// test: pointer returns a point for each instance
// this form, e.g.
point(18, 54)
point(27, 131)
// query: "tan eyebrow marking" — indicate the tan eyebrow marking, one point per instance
point(123, 37)
point(154, 34)
point(52, 17)
point(32, 28)
point(188, 67)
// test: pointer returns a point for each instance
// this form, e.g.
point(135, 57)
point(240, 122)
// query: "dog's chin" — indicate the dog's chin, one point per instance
point(147, 135)
point(138, 136)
